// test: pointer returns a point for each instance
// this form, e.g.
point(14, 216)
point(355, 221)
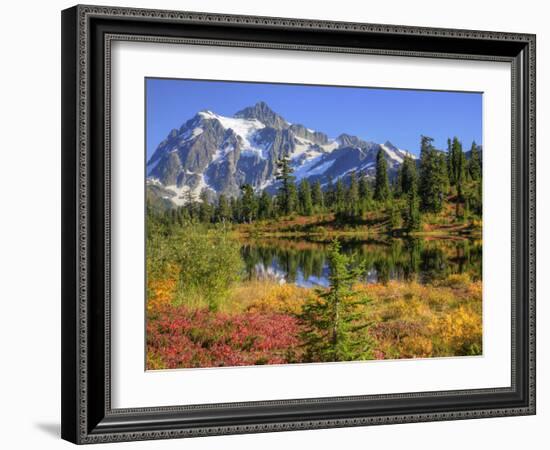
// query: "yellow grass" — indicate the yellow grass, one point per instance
point(409, 320)
point(265, 295)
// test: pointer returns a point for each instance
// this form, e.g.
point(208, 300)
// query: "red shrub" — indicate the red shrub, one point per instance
point(178, 337)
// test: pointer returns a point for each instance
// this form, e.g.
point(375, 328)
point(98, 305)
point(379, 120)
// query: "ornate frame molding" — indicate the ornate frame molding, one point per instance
point(80, 423)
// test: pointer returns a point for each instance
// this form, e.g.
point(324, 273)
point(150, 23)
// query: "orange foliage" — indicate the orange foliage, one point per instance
point(161, 292)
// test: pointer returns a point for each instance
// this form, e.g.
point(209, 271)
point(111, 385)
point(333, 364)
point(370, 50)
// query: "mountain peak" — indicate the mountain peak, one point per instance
point(219, 153)
point(259, 107)
point(262, 112)
point(347, 140)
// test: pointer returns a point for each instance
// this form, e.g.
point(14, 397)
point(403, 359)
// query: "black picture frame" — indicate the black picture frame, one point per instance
point(87, 416)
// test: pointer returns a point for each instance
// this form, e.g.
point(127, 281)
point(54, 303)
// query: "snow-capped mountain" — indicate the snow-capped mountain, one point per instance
point(219, 154)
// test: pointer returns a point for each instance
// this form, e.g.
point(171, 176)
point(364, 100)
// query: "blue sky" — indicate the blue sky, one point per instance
point(374, 114)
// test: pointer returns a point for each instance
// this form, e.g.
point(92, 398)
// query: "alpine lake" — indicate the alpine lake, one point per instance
point(304, 261)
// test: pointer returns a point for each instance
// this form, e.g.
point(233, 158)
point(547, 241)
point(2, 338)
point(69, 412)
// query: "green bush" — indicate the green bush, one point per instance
point(209, 261)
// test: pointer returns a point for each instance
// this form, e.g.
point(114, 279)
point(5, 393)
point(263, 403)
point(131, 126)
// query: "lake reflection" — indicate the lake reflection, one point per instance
point(305, 262)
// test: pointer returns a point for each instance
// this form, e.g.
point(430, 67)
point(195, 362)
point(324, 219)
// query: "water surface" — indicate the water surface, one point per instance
point(305, 262)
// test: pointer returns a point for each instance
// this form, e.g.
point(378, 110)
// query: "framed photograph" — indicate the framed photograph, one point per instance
point(281, 224)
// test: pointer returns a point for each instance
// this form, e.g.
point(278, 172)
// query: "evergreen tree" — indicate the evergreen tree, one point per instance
point(330, 194)
point(365, 193)
point(459, 163)
point(233, 208)
point(364, 188)
point(223, 209)
point(265, 207)
point(426, 145)
point(411, 214)
point(395, 184)
point(443, 177)
point(293, 200)
point(352, 200)
point(459, 172)
point(304, 195)
point(397, 187)
point(408, 175)
point(450, 162)
point(433, 183)
point(249, 206)
point(275, 207)
point(474, 165)
point(335, 326)
point(381, 184)
point(235, 204)
point(205, 208)
point(395, 216)
point(317, 196)
point(340, 197)
point(284, 175)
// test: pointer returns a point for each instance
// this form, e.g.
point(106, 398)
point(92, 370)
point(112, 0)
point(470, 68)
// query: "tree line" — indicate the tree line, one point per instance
point(418, 188)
